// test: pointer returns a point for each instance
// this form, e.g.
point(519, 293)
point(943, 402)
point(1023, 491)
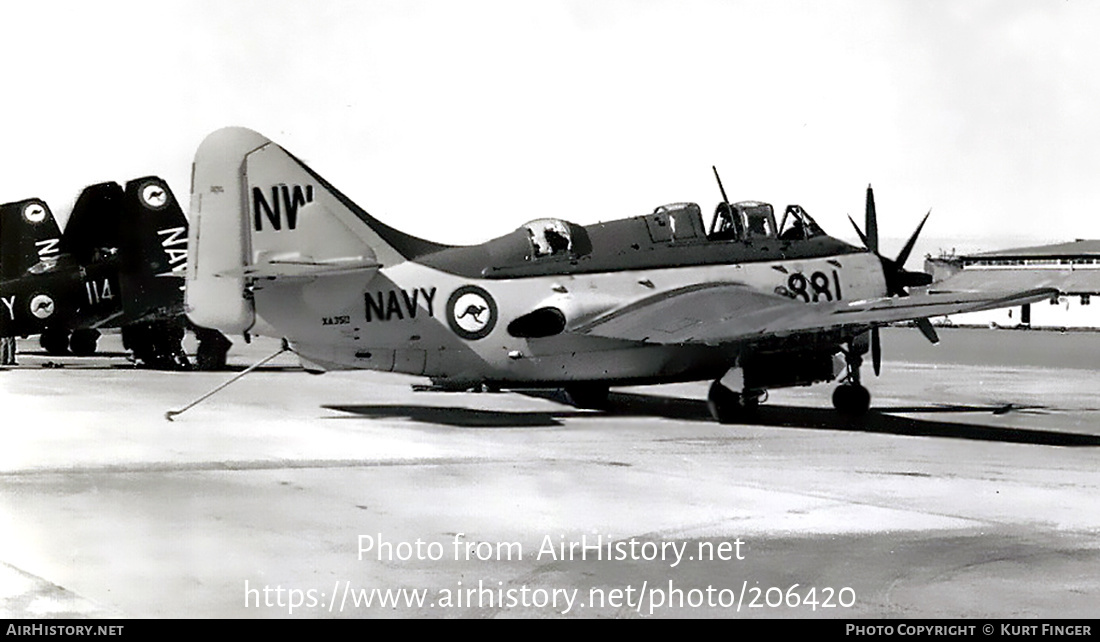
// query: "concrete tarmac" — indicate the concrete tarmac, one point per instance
point(969, 491)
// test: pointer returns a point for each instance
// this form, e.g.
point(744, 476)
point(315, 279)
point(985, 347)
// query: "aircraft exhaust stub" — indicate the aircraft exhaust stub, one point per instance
point(544, 322)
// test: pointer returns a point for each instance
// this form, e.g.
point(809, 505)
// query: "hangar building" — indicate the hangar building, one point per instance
point(1073, 268)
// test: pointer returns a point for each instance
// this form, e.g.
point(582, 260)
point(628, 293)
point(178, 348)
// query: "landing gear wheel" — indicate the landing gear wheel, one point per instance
point(157, 345)
point(851, 399)
point(727, 406)
point(55, 342)
point(83, 342)
point(589, 395)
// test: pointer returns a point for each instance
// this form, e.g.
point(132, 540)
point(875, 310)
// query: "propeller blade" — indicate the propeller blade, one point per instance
point(871, 222)
point(862, 237)
point(903, 256)
point(914, 279)
point(928, 331)
point(876, 350)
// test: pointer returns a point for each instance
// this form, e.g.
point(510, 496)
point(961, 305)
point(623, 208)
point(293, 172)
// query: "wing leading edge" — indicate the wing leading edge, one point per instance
point(716, 313)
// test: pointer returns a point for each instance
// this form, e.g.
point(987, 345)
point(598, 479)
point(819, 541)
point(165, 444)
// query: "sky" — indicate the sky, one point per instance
point(459, 121)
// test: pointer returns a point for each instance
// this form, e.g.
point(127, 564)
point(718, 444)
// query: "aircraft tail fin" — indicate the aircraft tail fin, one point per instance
point(258, 212)
point(94, 223)
point(28, 234)
point(152, 248)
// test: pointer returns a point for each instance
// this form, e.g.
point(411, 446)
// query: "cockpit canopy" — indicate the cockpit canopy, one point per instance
point(742, 220)
point(549, 237)
point(753, 219)
point(797, 224)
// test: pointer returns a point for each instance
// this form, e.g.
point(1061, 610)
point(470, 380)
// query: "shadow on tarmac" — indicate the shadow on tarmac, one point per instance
point(622, 404)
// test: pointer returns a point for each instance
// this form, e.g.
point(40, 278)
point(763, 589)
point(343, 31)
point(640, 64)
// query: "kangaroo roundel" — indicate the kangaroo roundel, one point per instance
point(154, 195)
point(42, 306)
point(34, 213)
point(471, 312)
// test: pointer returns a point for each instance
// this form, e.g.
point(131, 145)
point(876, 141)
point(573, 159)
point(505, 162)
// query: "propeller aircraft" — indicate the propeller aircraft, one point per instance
point(747, 304)
point(118, 264)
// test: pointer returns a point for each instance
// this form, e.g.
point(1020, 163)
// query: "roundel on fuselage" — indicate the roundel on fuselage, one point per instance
point(42, 306)
point(471, 312)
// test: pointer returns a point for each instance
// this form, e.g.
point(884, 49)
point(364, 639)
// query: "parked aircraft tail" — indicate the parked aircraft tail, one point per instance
point(257, 212)
point(28, 234)
point(153, 238)
point(94, 224)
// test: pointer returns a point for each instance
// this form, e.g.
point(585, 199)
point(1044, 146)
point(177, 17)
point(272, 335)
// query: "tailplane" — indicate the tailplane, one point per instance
point(257, 212)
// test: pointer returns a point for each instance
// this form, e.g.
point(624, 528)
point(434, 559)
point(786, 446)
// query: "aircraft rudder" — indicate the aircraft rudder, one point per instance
point(218, 237)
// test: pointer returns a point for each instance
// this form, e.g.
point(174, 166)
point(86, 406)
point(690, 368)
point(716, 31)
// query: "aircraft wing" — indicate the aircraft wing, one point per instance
point(716, 313)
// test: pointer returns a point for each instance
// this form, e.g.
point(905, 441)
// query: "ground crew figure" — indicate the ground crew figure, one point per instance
point(7, 351)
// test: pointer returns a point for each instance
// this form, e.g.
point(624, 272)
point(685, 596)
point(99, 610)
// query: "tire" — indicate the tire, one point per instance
point(727, 406)
point(852, 400)
point(591, 396)
point(83, 343)
point(55, 342)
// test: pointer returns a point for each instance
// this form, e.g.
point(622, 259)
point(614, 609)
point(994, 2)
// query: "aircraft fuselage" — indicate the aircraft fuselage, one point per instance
point(65, 296)
point(440, 316)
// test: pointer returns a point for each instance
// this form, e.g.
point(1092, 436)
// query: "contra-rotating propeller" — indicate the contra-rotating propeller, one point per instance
point(898, 279)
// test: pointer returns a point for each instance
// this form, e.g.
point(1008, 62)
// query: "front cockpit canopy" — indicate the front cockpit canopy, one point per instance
point(798, 225)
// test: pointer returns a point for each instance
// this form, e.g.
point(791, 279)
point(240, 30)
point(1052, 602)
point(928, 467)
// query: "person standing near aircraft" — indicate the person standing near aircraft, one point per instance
point(7, 351)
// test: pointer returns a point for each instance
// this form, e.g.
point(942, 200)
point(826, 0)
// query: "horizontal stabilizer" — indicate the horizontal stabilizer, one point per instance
point(303, 268)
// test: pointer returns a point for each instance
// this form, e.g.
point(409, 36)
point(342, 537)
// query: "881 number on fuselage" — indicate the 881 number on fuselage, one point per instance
point(818, 287)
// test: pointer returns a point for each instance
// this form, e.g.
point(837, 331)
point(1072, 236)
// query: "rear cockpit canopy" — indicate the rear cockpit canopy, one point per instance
point(549, 237)
point(675, 222)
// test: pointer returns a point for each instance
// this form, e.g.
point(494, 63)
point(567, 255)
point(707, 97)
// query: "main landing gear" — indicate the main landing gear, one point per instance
point(850, 397)
point(59, 342)
point(213, 348)
point(727, 406)
point(157, 345)
point(591, 396)
point(83, 342)
point(54, 342)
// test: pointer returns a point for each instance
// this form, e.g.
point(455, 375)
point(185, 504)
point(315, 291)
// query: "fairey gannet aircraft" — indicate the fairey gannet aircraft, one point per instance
point(118, 264)
point(278, 251)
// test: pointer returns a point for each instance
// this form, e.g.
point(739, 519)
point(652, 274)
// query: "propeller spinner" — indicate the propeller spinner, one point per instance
point(898, 279)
